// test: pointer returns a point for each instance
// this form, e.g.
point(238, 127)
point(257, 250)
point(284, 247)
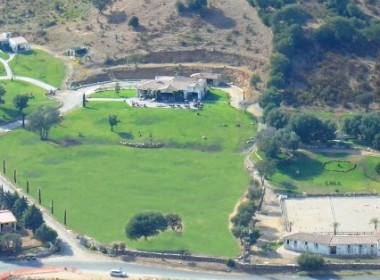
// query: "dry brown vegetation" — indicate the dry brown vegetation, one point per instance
point(228, 27)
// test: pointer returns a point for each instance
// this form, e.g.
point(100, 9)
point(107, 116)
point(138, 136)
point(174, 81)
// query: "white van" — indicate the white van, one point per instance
point(118, 273)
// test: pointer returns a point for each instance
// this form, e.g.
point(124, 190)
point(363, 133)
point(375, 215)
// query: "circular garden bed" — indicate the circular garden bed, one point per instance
point(339, 165)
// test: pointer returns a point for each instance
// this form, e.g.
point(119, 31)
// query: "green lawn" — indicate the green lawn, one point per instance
point(124, 93)
point(102, 184)
point(8, 111)
point(306, 173)
point(2, 70)
point(40, 65)
point(4, 55)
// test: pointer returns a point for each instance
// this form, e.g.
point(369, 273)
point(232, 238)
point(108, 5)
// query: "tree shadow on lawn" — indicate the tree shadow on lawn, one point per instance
point(211, 97)
point(125, 135)
point(338, 154)
point(301, 167)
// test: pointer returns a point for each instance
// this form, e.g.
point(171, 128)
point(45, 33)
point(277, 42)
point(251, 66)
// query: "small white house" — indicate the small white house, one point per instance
point(7, 221)
point(355, 244)
point(19, 44)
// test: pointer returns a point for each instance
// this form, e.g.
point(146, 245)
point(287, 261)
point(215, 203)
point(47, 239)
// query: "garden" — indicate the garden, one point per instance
point(327, 173)
point(84, 169)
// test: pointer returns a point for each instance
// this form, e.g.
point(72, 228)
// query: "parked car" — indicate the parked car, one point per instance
point(31, 257)
point(118, 273)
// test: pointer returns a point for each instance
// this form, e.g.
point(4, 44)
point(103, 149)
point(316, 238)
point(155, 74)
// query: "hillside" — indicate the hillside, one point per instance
point(327, 53)
point(229, 27)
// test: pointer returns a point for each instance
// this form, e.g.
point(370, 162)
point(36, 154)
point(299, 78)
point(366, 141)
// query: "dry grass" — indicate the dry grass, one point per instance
point(230, 26)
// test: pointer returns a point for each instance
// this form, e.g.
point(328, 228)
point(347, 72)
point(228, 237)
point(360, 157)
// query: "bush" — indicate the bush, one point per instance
point(230, 263)
point(310, 262)
point(45, 234)
point(180, 7)
point(133, 21)
point(378, 168)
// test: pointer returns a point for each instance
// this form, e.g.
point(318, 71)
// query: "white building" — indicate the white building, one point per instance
point(212, 79)
point(166, 88)
point(340, 244)
point(4, 38)
point(19, 44)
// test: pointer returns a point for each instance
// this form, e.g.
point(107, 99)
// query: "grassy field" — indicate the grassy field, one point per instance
point(307, 173)
point(102, 183)
point(124, 93)
point(8, 111)
point(40, 65)
point(4, 55)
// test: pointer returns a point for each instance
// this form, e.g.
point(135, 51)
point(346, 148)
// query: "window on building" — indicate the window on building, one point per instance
point(316, 245)
point(287, 241)
point(305, 243)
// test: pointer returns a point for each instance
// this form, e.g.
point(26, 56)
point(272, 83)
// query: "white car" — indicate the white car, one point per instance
point(118, 273)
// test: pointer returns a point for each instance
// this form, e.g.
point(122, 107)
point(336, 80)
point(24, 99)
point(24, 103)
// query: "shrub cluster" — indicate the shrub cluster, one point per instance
point(192, 6)
point(242, 221)
point(310, 262)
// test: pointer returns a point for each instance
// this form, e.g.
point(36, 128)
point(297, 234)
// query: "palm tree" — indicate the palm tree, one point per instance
point(112, 120)
point(375, 221)
point(335, 225)
point(21, 102)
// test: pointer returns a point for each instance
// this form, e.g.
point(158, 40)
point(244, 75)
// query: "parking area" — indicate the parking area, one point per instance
point(318, 214)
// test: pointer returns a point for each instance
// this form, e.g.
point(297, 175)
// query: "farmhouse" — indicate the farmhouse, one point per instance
point(212, 79)
point(19, 44)
point(341, 244)
point(7, 221)
point(171, 89)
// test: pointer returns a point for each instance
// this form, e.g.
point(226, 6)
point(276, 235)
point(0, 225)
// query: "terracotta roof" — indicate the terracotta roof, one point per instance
point(339, 239)
point(206, 75)
point(6, 216)
point(18, 41)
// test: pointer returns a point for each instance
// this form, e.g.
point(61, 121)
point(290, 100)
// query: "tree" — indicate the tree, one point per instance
point(310, 261)
point(270, 97)
point(43, 119)
point(84, 100)
point(335, 226)
point(113, 121)
point(196, 5)
point(45, 234)
point(265, 168)
point(117, 88)
point(309, 128)
point(145, 224)
point(180, 7)
point(277, 118)
point(21, 102)
point(280, 64)
point(174, 221)
point(19, 207)
point(287, 139)
point(133, 21)
point(255, 80)
point(12, 243)
point(2, 93)
point(32, 218)
point(375, 221)
point(101, 5)
point(267, 142)
point(376, 141)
